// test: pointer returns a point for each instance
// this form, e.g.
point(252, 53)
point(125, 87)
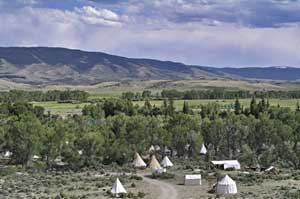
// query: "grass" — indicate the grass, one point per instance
point(291, 103)
point(69, 108)
point(61, 108)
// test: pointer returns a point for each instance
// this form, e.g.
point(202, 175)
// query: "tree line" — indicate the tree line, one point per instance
point(39, 96)
point(209, 94)
point(113, 130)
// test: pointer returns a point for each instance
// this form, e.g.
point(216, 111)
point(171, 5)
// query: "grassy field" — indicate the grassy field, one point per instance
point(116, 88)
point(61, 108)
point(69, 108)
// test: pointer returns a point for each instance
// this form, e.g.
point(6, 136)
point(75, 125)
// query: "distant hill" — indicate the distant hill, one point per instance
point(268, 73)
point(42, 65)
point(48, 66)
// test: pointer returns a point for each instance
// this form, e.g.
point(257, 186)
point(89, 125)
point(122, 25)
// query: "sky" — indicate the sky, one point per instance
point(220, 33)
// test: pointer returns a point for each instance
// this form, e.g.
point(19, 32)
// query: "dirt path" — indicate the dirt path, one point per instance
point(166, 190)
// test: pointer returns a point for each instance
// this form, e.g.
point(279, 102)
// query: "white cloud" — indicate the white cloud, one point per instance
point(144, 30)
point(96, 16)
point(103, 13)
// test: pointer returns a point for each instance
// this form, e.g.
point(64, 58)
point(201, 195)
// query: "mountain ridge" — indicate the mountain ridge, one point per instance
point(56, 65)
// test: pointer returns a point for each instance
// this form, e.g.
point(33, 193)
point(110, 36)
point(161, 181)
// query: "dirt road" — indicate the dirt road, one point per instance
point(166, 190)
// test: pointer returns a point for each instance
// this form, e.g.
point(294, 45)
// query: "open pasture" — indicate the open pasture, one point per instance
point(70, 108)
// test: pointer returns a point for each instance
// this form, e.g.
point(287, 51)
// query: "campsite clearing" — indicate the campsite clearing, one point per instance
point(94, 184)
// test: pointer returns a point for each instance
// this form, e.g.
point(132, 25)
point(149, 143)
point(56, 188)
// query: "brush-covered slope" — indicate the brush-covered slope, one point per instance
point(42, 65)
point(268, 73)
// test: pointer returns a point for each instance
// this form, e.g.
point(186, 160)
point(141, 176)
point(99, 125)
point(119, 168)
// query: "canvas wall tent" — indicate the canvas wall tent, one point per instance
point(117, 187)
point(7, 154)
point(227, 164)
point(35, 157)
point(139, 162)
point(203, 150)
point(166, 162)
point(226, 186)
point(192, 179)
point(154, 164)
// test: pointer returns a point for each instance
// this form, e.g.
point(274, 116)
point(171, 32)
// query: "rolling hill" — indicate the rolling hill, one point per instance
point(42, 65)
point(50, 66)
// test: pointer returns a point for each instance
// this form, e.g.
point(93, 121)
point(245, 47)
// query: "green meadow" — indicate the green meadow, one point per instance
point(70, 108)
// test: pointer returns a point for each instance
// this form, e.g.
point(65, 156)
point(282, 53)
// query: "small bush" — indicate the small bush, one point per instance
point(162, 175)
point(141, 195)
point(8, 171)
point(135, 177)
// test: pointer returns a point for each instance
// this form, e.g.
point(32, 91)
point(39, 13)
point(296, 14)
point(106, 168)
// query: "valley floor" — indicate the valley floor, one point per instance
point(94, 184)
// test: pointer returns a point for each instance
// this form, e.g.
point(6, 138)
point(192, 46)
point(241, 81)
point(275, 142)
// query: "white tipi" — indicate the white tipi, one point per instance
point(138, 161)
point(118, 188)
point(203, 150)
point(226, 186)
point(151, 149)
point(166, 162)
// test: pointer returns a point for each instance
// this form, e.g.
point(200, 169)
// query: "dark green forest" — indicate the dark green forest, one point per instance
point(111, 131)
point(39, 96)
point(210, 94)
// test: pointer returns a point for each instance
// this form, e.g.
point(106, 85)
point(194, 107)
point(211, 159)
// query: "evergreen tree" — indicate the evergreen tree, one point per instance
point(237, 107)
point(253, 107)
point(186, 108)
point(297, 107)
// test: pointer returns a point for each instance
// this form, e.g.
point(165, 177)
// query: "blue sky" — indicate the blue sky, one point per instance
point(202, 32)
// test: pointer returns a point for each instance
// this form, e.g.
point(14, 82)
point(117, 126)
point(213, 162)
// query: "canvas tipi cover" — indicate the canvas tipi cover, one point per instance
point(118, 187)
point(151, 149)
point(138, 161)
point(166, 162)
point(154, 164)
point(203, 150)
point(226, 186)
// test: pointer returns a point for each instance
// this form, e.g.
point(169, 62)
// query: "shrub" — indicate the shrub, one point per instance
point(8, 171)
point(141, 195)
point(136, 177)
point(162, 175)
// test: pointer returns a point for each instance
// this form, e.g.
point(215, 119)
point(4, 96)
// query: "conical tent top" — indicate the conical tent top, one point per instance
point(203, 150)
point(138, 161)
point(118, 187)
point(166, 162)
point(226, 181)
point(226, 186)
point(154, 164)
point(151, 149)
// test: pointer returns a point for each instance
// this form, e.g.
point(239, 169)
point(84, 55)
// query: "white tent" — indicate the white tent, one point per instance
point(227, 164)
point(138, 161)
point(35, 157)
point(166, 162)
point(192, 179)
point(226, 186)
point(151, 149)
point(7, 154)
point(118, 188)
point(157, 148)
point(203, 150)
